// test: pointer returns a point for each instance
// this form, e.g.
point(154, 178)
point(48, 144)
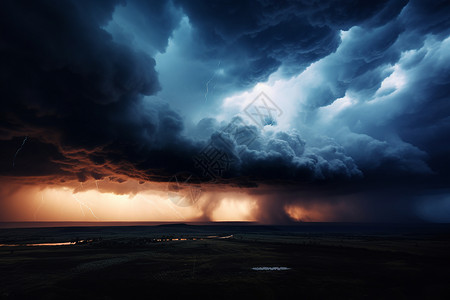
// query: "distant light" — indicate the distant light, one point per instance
point(270, 268)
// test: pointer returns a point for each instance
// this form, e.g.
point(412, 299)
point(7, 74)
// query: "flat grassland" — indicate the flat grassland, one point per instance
point(348, 261)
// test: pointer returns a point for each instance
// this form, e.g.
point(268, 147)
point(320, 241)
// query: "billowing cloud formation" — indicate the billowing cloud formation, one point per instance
point(136, 89)
point(78, 90)
point(257, 37)
point(389, 83)
point(76, 93)
point(268, 155)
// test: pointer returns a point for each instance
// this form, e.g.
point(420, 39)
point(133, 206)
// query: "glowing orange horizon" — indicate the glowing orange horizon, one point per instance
point(103, 201)
point(62, 204)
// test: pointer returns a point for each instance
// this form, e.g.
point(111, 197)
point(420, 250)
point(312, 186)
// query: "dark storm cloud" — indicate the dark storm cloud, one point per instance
point(397, 131)
point(74, 76)
point(75, 92)
point(254, 38)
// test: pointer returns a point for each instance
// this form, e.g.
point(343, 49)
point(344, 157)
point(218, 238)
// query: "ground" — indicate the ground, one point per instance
point(215, 262)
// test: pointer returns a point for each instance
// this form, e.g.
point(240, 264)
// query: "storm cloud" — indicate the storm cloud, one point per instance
point(122, 90)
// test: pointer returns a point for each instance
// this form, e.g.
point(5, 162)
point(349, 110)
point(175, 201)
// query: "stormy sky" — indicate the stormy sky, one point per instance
point(294, 110)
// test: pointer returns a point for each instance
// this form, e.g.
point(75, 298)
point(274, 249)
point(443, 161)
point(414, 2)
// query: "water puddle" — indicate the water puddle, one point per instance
point(43, 244)
point(270, 268)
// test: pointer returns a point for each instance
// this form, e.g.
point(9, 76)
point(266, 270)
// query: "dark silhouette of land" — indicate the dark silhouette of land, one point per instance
point(216, 261)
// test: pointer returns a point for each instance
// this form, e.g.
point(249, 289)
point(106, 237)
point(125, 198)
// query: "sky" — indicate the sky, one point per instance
point(269, 111)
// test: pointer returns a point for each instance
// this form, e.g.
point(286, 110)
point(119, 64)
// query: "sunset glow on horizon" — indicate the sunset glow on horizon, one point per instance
point(95, 201)
point(89, 204)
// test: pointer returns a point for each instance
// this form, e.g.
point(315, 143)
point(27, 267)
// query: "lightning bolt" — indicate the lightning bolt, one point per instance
point(84, 204)
point(18, 150)
point(39, 207)
point(96, 183)
point(207, 83)
point(81, 207)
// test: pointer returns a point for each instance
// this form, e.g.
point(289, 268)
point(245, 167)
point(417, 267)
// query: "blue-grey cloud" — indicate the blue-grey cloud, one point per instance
point(254, 38)
point(117, 89)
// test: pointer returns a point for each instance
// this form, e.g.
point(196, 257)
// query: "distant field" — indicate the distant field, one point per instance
point(215, 262)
